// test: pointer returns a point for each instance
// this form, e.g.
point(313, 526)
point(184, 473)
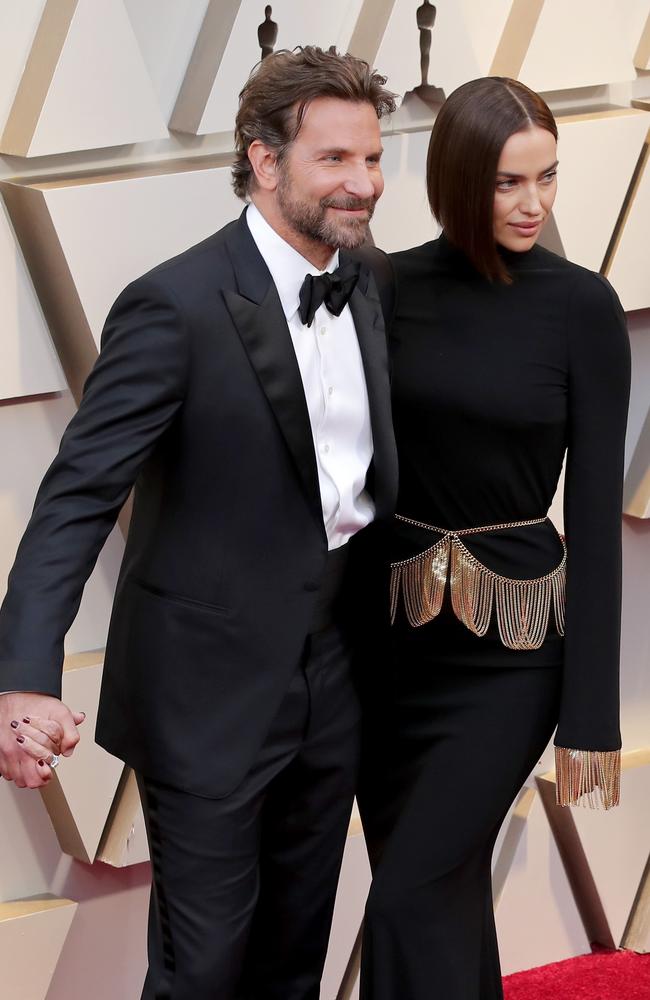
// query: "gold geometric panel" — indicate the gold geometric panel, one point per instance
point(636, 495)
point(510, 835)
point(603, 145)
point(84, 240)
point(535, 882)
point(32, 934)
point(517, 35)
point(80, 795)
point(84, 86)
point(19, 25)
point(636, 936)
point(370, 29)
point(605, 855)
point(124, 840)
point(402, 217)
point(461, 38)
point(231, 42)
point(105, 956)
point(585, 37)
point(341, 966)
point(28, 362)
point(628, 261)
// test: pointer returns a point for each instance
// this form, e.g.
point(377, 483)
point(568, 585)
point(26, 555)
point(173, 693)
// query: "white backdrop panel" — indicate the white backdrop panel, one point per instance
point(603, 148)
point(112, 231)
point(166, 31)
point(28, 361)
point(402, 217)
point(578, 44)
point(29, 438)
point(19, 24)
point(323, 24)
point(88, 98)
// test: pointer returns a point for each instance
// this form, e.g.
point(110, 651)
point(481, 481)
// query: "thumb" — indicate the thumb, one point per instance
point(68, 721)
point(78, 717)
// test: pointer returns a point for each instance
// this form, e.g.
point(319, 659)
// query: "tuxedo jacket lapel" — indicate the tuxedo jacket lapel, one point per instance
point(258, 316)
point(365, 306)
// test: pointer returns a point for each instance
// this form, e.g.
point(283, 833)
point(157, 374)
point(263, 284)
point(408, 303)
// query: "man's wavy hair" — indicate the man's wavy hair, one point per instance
point(274, 100)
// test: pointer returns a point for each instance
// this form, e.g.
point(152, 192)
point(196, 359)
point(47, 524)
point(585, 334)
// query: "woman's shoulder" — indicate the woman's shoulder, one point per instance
point(581, 278)
point(416, 259)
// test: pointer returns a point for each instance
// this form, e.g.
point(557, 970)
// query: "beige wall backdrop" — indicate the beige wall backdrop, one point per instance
point(115, 144)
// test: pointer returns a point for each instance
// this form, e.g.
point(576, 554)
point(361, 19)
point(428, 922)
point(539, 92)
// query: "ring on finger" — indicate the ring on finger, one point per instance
point(54, 762)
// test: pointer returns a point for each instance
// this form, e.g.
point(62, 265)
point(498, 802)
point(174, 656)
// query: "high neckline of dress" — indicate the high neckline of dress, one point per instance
point(513, 259)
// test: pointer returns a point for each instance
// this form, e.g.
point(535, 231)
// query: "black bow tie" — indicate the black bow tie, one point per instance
point(333, 289)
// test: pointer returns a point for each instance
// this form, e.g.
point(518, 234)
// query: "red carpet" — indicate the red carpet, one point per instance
point(605, 975)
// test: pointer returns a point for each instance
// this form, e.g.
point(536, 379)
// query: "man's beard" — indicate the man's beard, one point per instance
point(310, 219)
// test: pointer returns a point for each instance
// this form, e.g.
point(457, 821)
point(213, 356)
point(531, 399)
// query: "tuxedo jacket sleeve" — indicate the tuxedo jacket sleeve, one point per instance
point(130, 398)
point(196, 401)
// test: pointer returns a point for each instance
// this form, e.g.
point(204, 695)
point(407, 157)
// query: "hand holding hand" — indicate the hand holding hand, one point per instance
point(34, 728)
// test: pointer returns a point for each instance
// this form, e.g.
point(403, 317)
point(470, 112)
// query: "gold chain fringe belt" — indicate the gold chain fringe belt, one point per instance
point(522, 606)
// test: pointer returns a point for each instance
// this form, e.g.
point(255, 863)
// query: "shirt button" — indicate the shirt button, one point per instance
point(330, 390)
point(323, 330)
point(326, 448)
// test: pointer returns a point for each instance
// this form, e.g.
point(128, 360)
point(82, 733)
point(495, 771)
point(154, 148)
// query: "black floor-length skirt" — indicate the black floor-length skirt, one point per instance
point(454, 725)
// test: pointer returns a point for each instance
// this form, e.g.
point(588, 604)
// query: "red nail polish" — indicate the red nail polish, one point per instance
point(14, 724)
point(27, 721)
point(20, 739)
point(41, 763)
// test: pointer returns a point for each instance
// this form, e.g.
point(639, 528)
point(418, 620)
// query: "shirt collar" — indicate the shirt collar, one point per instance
point(288, 267)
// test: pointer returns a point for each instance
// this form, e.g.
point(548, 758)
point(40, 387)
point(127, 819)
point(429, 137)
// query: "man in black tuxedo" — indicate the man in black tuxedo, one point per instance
point(242, 390)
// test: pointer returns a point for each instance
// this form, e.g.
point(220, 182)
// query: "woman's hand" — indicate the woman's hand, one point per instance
point(34, 730)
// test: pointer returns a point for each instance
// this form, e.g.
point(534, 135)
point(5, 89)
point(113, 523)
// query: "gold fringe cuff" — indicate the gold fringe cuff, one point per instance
point(588, 777)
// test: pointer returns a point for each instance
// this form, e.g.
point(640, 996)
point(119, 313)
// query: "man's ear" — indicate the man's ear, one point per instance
point(265, 165)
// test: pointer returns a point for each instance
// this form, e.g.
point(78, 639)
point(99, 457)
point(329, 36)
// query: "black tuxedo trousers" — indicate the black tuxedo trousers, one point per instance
point(244, 886)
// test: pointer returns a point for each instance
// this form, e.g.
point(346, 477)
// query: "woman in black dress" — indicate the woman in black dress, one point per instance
point(504, 356)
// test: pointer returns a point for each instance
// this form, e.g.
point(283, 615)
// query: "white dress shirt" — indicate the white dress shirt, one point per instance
point(332, 375)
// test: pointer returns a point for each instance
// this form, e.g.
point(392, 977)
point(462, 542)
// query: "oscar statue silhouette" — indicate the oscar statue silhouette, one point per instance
point(432, 96)
point(267, 33)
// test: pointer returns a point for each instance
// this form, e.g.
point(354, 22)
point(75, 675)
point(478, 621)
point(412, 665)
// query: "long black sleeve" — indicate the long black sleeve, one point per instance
point(598, 393)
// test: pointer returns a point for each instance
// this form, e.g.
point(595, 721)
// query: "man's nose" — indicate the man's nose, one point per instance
point(360, 182)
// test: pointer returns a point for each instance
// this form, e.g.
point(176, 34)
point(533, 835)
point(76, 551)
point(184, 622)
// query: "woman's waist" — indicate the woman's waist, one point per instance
point(518, 547)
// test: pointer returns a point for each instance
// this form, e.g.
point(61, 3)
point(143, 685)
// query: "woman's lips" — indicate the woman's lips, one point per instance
point(526, 228)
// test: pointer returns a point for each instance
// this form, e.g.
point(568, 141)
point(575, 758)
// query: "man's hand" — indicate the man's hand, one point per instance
point(33, 728)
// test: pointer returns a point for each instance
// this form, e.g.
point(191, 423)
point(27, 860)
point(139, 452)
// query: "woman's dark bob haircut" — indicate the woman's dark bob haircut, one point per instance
point(471, 129)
